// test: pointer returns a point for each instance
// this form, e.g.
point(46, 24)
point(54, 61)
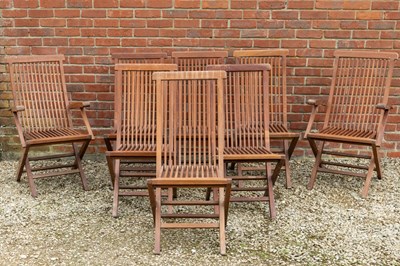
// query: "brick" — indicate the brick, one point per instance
point(159, 23)
point(313, 14)
point(281, 34)
point(227, 33)
point(95, 13)
point(41, 13)
point(67, 13)
point(15, 13)
point(107, 42)
point(256, 14)
point(351, 44)
point(133, 23)
point(228, 14)
point(285, 14)
point(146, 32)
point(215, 4)
point(267, 43)
point(357, 5)
point(202, 14)
point(389, 15)
point(175, 14)
point(43, 50)
point(42, 32)
point(199, 33)
point(379, 44)
point(134, 42)
point(132, 3)
point(80, 22)
point(272, 4)
point(106, 23)
point(119, 32)
point(53, 22)
point(381, 25)
point(26, 3)
point(385, 5)
point(120, 13)
point(309, 34)
point(337, 34)
point(79, 3)
point(93, 32)
point(243, 24)
point(253, 33)
point(369, 15)
point(217, 23)
point(294, 43)
point(390, 35)
point(361, 34)
point(26, 22)
point(6, 4)
point(323, 4)
point(159, 42)
point(187, 4)
point(298, 24)
point(322, 44)
point(52, 3)
point(67, 32)
point(147, 13)
point(159, 4)
point(181, 42)
point(55, 41)
point(238, 43)
point(353, 25)
point(326, 24)
point(342, 15)
point(249, 4)
point(186, 23)
point(300, 4)
point(105, 4)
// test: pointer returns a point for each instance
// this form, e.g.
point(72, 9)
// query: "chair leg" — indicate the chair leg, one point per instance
point(29, 174)
point(271, 198)
point(316, 166)
point(377, 159)
point(313, 146)
point(107, 141)
point(222, 222)
point(78, 164)
point(287, 166)
point(21, 163)
point(364, 192)
point(116, 189)
point(157, 223)
point(111, 168)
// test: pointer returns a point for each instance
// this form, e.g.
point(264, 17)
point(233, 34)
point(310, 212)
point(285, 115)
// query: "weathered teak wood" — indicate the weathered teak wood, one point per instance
point(42, 115)
point(247, 138)
point(131, 58)
point(278, 126)
point(189, 150)
point(356, 112)
point(135, 113)
point(198, 60)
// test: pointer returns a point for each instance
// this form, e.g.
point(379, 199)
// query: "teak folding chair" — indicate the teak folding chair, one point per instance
point(246, 128)
point(42, 115)
point(189, 152)
point(356, 113)
point(131, 58)
point(278, 122)
point(135, 113)
point(198, 60)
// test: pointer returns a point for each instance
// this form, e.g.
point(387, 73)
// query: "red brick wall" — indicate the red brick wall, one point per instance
point(89, 31)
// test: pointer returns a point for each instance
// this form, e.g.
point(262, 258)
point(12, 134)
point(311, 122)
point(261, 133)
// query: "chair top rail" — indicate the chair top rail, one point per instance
point(366, 54)
point(36, 58)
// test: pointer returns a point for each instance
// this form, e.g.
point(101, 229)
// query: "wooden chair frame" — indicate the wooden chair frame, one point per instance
point(135, 114)
point(356, 112)
point(182, 97)
point(247, 137)
point(131, 58)
point(42, 115)
point(198, 60)
point(278, 100)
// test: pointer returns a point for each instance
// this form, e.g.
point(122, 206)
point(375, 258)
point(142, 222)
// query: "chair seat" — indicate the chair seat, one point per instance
point(344, 135)
point(184, 171)
point(250, 153)
point(54, 136)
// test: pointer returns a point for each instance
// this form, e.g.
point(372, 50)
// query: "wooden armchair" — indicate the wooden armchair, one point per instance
point(135, 113)
point(130, 58)
point(278, 126)
point(42, 115)
point(189, 151)
point(247, 139)
point(198, 60)
point(356, 112)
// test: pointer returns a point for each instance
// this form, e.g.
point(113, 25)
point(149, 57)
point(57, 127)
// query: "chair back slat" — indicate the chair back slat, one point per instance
point(139, 58)
point(277, 82)
point(135, 98)
point(246, 105)
point(360, 82)
point(39, 86)
point(198, 60)
point(187, 123)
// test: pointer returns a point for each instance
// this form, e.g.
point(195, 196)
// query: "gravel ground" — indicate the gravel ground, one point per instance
point(330, 225)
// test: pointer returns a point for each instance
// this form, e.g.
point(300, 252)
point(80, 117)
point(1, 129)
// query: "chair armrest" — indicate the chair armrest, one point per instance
point(316, 103)
point(78, 105)
point(383, 106)
point(17, 108)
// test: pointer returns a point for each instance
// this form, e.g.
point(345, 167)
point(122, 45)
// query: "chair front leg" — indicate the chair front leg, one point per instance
point(316, 166)
point(21, 163)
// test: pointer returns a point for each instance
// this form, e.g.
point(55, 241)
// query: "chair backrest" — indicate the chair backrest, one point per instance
point(361, 80)
point(139, 58)
point(38, 84)
point(277, 86)
point(246, 105)
point(189, 133)
point(198, 60)
point(135, 101)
